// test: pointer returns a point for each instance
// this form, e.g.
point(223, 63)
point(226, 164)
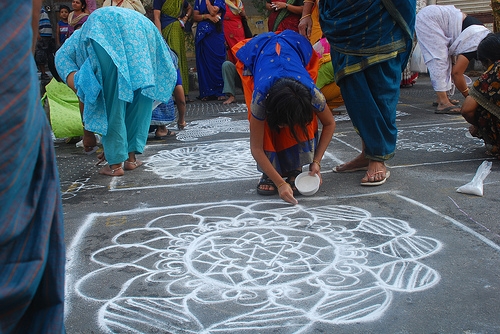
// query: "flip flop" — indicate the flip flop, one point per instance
point(449, 110)
point(455, 102)
point(169, 134)
point(377, 183)
point(90, 149)
point(336, 169)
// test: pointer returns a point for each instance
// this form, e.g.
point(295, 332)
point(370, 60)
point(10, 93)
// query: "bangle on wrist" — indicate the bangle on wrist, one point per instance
point(317, 162)
point(281, 184)
point(466, 90)
point(202, 17)
point(303, 17)
point(286, 6)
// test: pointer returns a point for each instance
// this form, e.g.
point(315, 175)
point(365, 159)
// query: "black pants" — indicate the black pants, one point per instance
point(44, 55)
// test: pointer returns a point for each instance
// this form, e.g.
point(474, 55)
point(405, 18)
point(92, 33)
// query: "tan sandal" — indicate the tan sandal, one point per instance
point(375, 183)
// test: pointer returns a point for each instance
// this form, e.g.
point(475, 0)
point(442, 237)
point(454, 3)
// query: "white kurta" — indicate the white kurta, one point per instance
point(440, 35)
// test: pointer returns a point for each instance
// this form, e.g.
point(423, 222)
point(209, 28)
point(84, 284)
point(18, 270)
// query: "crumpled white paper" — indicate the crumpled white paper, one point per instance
point(475, 187)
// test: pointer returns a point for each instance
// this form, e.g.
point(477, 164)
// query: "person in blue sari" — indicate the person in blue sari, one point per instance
point(32, 250)
point(210, 49)
point(370, 45)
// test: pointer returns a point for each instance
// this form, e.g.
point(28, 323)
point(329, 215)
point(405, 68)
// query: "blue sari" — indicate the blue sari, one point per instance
point(210, 51)
point(370, 45)
point(32, 251)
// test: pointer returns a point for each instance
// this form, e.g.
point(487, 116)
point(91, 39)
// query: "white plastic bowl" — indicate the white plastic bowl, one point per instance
point(306, 184)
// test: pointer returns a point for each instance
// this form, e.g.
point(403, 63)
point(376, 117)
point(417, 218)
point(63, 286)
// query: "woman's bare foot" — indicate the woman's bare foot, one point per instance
point(230, 99)
point(376, 175)
point(112, 170)
point(358, 163)
point(131, 165)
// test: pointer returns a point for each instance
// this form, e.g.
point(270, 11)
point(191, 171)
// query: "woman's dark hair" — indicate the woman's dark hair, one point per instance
point(64, 7)
point(84, 4)
point(288, 103)
point(488, 50)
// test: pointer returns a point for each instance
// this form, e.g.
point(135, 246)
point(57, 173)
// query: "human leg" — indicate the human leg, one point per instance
point(50, 51)
point(137, 121)
point(374, 117)
point(445, 105)
point(228, 75)
point(162, 116)
point(180, 102)
point(114, 141)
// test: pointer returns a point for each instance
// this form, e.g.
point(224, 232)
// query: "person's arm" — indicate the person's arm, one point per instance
point(286, 6)
point(257, 149)
point(156, 19)
point(213, 10)
point(58, 39)
point(70, 81)
point(269, 7)
point(201, 17)
point(457, 74)
point(305, 23)
point(243, 13)
point(328, 123)
point(189, 11)
point(197, 17)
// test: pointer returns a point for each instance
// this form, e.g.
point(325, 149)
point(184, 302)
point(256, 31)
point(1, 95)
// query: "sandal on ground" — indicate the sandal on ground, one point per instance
point(452, 110)
point(131, 165)
point(376, 183)
point(168, 135)
point(181, 126)
point(100, 159)
point(266, 181)
point(88, 150)
point(291, 181)
point(454, 102)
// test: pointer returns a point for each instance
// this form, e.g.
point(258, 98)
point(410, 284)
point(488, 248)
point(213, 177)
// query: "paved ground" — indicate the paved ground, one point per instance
point(185, 245)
